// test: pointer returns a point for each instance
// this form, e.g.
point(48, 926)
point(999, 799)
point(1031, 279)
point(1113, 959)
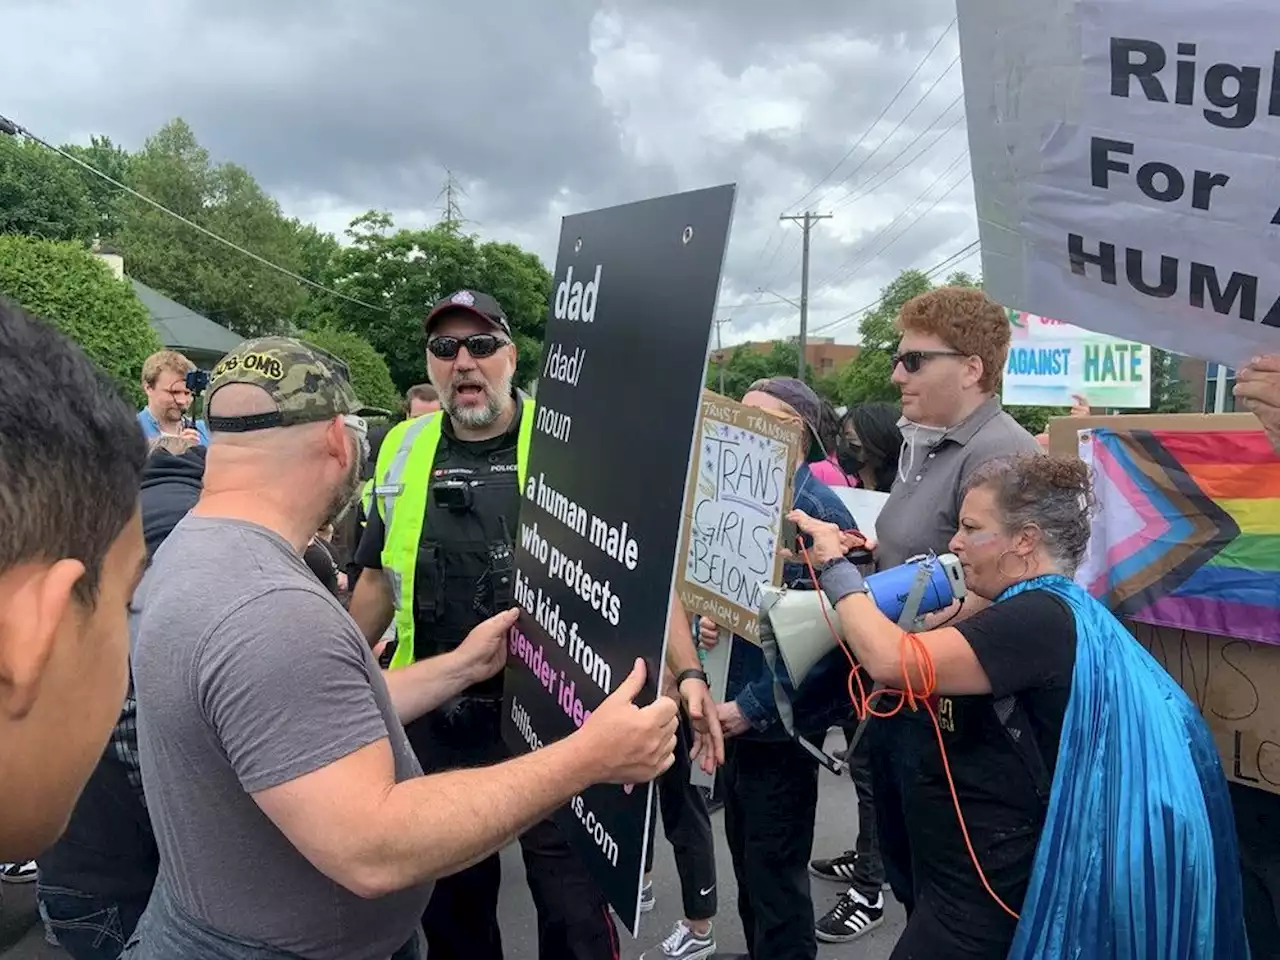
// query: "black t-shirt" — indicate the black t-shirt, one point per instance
point(1027, 647)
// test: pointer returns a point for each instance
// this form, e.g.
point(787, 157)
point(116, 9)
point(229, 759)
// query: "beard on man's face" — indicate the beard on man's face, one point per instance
point(474, 415)
point(345, 495)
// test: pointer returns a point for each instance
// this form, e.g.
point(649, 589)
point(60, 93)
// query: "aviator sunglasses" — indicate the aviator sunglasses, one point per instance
point(913, 360)
point(479, 345)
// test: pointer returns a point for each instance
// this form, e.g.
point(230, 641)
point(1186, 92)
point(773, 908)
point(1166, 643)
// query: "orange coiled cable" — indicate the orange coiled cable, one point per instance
point(911, 697)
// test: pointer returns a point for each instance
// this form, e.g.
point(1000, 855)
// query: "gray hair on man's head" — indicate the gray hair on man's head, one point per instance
point(1049, 493)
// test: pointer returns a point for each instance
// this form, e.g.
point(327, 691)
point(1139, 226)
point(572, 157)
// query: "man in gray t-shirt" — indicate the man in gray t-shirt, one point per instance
point(291, 817)
point(248, 681)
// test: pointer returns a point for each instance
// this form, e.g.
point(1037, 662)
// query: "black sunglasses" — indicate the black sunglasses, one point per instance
point(479, 345)
point(913, 360)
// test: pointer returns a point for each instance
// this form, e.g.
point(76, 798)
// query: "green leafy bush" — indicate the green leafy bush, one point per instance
point(68, 287)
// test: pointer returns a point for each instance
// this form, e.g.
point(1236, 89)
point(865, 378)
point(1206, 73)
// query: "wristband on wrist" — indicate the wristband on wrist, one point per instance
point(838, 578)
point(684, 675)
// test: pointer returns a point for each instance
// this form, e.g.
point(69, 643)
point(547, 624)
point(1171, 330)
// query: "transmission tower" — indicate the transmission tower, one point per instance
point(452, 211)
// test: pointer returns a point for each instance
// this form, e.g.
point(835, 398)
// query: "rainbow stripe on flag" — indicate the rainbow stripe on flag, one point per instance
point(1186, 533)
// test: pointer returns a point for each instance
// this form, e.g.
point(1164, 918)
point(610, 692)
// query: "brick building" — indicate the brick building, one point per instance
point(823, 354)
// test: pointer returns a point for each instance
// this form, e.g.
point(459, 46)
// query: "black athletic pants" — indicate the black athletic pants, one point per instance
point(686, 823)
point(770, 802)
point(461, 921)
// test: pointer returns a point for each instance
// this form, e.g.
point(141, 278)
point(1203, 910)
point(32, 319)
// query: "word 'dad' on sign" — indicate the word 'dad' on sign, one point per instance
point(634, 296)
point(1050, 362)
point(1231, 683)
point(738, 492)
point(1123, 158)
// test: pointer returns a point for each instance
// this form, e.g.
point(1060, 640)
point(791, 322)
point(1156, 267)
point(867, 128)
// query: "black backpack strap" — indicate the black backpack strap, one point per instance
point(1017, 727)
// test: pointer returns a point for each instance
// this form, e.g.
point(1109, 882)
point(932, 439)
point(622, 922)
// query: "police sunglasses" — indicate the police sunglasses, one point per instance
point(479, 345)
point(913, 360)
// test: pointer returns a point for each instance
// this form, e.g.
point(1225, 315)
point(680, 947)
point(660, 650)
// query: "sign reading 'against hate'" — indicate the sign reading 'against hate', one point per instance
point(630, 319)
point(1124, 166)
point(1050, 362)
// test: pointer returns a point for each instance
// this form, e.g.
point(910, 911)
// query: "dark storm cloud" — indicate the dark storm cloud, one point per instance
point(538, 109)
point(369, 100)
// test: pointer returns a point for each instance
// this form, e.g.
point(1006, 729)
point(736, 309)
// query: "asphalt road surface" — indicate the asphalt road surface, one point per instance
point(836, 829)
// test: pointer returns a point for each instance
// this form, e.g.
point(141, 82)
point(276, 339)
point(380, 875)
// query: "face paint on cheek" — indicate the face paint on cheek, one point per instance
point(979, 539)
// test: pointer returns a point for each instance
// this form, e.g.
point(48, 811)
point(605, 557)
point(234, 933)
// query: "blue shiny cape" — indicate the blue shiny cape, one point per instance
point(1138, 856)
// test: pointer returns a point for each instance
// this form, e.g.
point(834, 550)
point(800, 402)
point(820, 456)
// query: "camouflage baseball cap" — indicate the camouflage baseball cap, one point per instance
point(307, 384)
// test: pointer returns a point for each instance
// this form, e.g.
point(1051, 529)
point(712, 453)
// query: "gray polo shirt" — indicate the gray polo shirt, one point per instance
point(923, 512)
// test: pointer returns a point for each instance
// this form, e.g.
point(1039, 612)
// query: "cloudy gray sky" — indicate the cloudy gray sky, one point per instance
point(542, 109)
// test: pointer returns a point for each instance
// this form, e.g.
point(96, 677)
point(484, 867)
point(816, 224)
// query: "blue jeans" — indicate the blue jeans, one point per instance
point(89, 927)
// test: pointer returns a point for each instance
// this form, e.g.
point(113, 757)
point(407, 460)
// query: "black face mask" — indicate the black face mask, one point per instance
point(852, 459)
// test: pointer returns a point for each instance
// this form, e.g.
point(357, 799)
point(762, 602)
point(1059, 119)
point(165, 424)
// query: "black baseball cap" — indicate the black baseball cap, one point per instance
point(470, 301)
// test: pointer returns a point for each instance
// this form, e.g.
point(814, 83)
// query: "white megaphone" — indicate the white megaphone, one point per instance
point(804, 627)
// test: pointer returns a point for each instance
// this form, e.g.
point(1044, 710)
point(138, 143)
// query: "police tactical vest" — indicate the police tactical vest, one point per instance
point(435, 574)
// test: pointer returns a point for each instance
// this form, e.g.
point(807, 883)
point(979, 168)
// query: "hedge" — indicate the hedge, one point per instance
point(369, 372)
point(68, 287)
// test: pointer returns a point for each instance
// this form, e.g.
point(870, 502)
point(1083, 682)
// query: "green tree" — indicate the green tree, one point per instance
point(41, 195)
point(369, 373)
point(1169, 392)
point(64, 284)
point(868, 376)
point(107, 200)
point(209, 277)
point(745, 366)
point(409, 270)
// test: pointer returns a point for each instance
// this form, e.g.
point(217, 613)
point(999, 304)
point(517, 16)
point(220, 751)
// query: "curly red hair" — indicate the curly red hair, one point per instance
point(967, 321)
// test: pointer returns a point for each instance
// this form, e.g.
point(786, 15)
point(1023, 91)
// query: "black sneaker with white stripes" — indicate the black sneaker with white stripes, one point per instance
point(851, 917)
point(839, 869)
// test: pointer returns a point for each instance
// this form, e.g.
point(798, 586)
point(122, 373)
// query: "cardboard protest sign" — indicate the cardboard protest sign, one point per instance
point(635, 294)
point(1230, 681)
point(1123, 157)
point(738, 493)
point(1050, 362)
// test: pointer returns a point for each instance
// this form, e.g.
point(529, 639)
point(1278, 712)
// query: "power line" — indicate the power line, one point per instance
point(788, 240)
point(901, 90)
point(876, 148)
point(869, 187)
point(858, 257)
point(12, 128)
point(958, 257)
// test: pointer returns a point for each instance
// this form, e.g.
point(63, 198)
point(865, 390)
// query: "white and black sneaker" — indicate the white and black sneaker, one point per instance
point(851, 917)
point(647, 898)
point(838, 869)
point(683, 944)
point(19, 872)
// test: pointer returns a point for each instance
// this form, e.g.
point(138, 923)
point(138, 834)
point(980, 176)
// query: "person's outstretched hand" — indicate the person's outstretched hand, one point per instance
point(829, 541)
point(1258, 389)
point(484, 652)
point(708, 738)
point(630, 744)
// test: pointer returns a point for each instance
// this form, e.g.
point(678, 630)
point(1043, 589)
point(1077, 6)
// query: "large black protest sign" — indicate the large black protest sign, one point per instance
point(618, 395)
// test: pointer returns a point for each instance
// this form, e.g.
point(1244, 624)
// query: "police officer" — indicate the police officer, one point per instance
point(442, 531)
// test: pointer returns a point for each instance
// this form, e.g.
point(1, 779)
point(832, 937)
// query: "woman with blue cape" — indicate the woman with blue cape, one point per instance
point(1076, 806)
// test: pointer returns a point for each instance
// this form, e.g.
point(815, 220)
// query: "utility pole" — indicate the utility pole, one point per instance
point(806, 220)
point(719, 353)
